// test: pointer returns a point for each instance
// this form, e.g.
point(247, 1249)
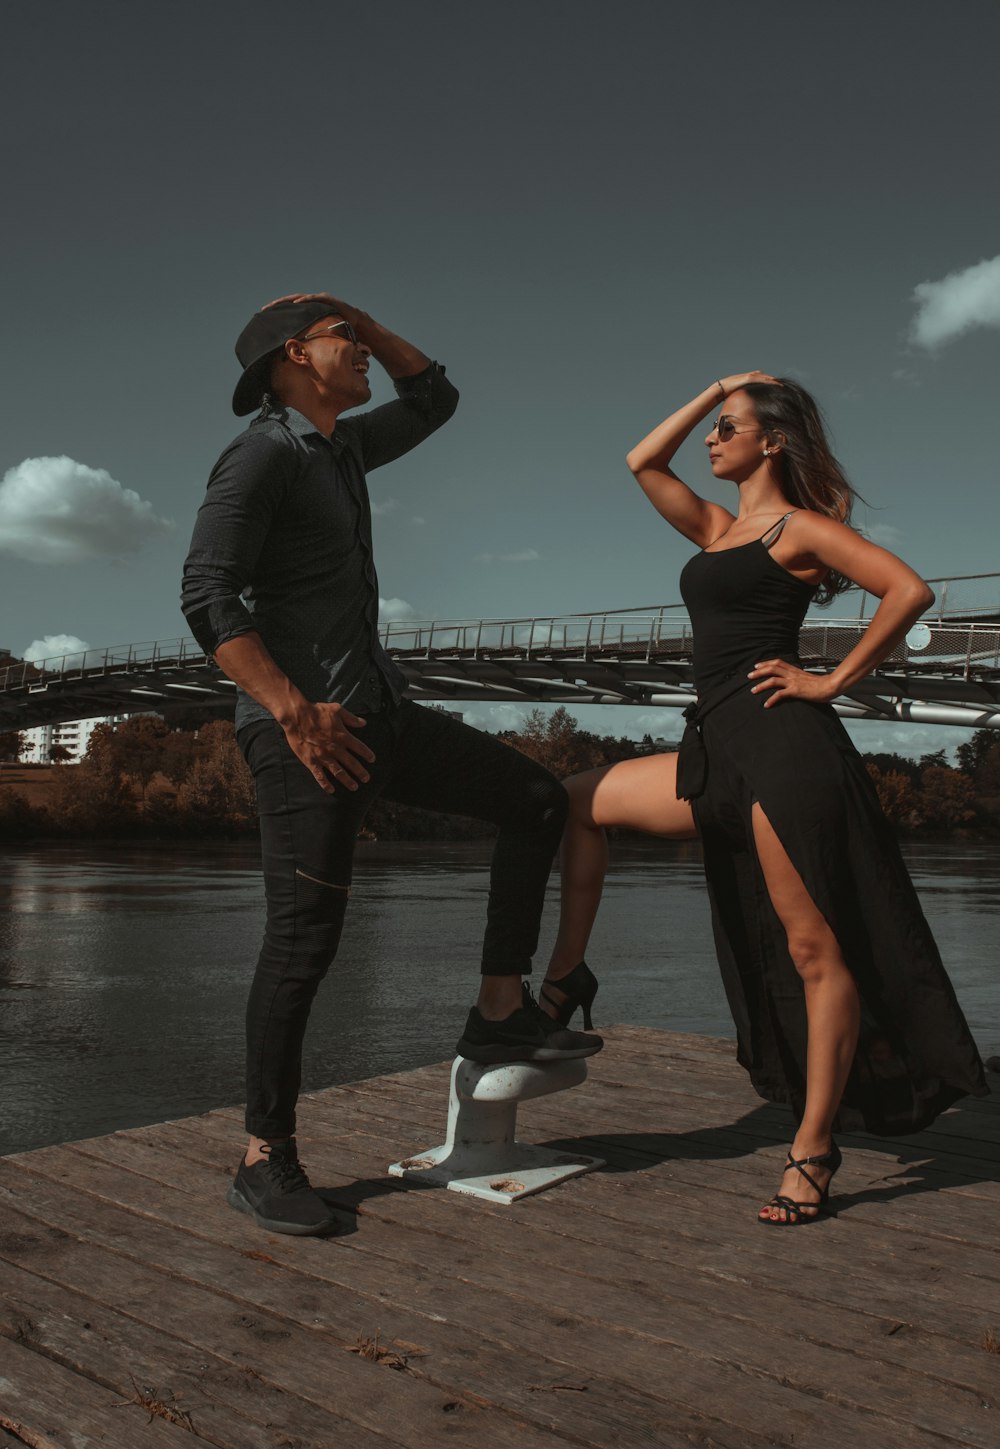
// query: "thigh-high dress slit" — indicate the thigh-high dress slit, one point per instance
point(915, 1054)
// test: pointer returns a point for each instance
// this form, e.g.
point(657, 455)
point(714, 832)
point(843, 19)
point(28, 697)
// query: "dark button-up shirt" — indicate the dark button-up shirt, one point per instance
point(282, 544)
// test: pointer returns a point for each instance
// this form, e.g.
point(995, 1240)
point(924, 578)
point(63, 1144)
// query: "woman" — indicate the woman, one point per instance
point(842, 1007)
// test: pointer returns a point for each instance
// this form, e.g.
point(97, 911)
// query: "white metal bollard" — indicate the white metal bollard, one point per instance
point(482, 1155)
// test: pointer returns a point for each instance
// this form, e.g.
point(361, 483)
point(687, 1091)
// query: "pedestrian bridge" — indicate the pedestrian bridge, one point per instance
point(946, 671)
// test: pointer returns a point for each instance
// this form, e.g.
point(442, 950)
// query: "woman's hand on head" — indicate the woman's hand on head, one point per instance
point(740, 379)
point(789, 682)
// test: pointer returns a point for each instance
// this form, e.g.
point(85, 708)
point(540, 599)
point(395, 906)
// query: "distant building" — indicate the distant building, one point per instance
point(73, 737)
point(659, 746)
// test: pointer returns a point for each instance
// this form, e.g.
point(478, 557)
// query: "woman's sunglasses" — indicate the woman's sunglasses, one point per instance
point(726, 428)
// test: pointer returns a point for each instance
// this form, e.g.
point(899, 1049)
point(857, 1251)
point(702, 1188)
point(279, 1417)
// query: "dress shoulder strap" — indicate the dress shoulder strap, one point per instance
point(771, 535)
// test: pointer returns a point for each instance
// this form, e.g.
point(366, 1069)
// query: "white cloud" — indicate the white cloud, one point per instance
point(956, 304)
point(491, 717)
point(875, 737)
point(388, 505)
point(418, 522)
point(524, 555)
point(392, 610)
point(55, 510)
point(52, 646)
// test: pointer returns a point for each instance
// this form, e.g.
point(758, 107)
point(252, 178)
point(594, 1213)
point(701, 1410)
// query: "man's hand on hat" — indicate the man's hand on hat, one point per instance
point(320, 735)
point(354, 315)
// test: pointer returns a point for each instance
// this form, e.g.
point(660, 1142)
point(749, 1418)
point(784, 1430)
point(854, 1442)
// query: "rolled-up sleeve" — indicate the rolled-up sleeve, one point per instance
point(245, 488)
point(425, 401)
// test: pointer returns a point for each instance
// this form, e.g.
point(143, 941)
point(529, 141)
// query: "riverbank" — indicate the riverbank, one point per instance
point(144, 780)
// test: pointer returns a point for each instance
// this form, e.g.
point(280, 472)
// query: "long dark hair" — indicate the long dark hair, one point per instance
point(808, 472)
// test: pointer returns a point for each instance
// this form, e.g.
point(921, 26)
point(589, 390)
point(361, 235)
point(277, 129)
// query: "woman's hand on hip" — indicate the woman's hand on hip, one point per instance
point(789, 682)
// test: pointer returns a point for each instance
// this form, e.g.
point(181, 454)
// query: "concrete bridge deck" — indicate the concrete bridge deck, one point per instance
point(946, 671)
point(642, 1305)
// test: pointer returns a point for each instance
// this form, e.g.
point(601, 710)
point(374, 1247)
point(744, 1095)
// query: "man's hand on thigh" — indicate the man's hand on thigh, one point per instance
point(320, 736)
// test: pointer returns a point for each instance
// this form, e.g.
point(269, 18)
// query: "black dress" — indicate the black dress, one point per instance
point(915, 1054)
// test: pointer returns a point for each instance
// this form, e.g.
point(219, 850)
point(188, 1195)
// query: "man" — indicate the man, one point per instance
point(280, 587)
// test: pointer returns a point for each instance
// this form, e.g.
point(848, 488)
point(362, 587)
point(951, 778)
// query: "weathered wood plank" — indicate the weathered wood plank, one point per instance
point(230, 1405)
point(582, 1116)
point(673, 1216)
point(633, 1054)
point(945, 1295)
point(968, 1291)
point(47, 1406)
point(661, 1428)
point(635, 1050)
point(706, 1337)
point(714, 1079)
point(627, 1061)
point(649, 1291)
point(285, 1318)
point(942, 1163)
point(643, 1113)
point(944, 1291)
point(345, 1384)
point(929, 1208)
point(604, 1258)
point(684, 1180)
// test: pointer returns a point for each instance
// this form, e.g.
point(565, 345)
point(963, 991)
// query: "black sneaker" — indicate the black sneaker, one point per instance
point(277, 1195)
point(527, 1035)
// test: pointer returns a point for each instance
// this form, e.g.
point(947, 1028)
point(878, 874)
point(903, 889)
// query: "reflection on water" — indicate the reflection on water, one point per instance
point(123, 972)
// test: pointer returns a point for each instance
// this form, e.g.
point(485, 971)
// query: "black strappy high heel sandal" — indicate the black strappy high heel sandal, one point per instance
point(797, 1213)
point(579, 987)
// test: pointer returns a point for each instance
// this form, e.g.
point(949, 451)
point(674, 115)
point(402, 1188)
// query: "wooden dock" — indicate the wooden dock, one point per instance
point(642, 1305)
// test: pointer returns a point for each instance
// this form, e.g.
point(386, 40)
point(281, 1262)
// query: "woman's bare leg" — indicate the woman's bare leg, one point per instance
point(637, 794)
point(833, 1009)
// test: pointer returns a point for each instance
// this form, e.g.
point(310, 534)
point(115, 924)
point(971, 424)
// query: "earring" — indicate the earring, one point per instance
point(767, 452)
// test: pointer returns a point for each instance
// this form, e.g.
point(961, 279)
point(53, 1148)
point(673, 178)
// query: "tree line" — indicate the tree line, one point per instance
point(147, 778)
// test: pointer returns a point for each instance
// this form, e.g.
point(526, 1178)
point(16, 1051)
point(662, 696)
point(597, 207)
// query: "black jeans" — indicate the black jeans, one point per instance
point(424, 758)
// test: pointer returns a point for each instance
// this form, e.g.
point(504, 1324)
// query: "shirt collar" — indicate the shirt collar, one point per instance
point(299, 424)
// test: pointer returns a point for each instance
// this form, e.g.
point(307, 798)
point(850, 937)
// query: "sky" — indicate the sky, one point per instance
point(586, 211)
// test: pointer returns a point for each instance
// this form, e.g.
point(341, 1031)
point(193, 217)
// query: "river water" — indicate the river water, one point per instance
point(123, 972)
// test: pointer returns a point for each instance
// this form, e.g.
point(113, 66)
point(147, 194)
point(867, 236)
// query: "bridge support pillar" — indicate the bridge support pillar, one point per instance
point(481, 1155)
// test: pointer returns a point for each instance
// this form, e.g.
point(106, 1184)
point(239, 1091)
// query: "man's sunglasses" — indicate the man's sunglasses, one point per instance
point(726, 428)
point(344, 328)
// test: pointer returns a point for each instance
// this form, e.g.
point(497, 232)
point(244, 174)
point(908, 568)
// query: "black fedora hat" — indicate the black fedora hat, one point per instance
point(261, 338)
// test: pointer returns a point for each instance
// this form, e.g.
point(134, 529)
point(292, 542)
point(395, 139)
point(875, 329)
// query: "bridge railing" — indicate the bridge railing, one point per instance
point(666, 633)
point(563, 634)
point(946, 646)
point(929, 646)
point(963, 596)
point(92, 663)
